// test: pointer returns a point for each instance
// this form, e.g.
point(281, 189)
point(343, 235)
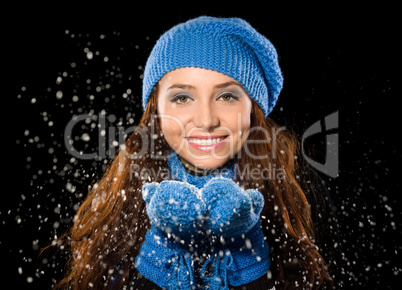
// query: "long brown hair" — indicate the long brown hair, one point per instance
point(111, 223)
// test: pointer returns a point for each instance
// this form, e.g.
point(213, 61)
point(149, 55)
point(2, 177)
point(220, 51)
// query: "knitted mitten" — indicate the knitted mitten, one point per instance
point(232, 210)
point(163, 261)
point(180, 208)
point(175, 207)
point(242, 255)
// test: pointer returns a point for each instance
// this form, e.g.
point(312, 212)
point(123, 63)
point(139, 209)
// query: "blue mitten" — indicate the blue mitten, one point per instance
point(175, 207)
point(165, 262)
point(232, 210)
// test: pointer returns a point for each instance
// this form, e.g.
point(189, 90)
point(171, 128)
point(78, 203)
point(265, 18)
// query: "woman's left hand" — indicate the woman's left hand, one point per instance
point(232, 211)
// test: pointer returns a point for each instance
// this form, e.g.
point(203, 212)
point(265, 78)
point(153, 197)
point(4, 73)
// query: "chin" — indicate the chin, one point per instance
point(207, 163)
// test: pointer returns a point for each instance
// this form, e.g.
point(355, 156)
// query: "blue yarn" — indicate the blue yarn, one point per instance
point(178, 172)
point(238, 262)
point(227, 45)
point(232, 210)
point(175, 207)
point(196, 215)
point(165, 262)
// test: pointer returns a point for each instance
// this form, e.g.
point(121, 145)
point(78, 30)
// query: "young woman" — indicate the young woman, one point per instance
point(204, 194)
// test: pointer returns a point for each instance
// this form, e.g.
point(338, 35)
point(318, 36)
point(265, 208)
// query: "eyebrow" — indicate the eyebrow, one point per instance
point(227, 84)
point(181, 86)
point(190, 87)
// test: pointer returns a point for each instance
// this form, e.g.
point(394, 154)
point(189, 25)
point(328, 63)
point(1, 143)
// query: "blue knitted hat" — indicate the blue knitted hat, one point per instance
point(227, 45)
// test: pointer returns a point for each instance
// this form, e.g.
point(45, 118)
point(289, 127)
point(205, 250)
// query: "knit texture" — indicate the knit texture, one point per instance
point(227, 45)
point(232, 210)
point(179, 173)
point(165, 262)
point(174, 206)
point(206, 232)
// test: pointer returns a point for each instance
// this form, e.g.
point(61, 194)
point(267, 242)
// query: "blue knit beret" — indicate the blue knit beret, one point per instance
point(227, 45)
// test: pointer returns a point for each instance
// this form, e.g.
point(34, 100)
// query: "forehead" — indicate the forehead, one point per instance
point(194, 76)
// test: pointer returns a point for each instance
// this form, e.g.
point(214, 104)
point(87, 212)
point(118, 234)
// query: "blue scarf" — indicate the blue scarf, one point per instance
point(205, 231)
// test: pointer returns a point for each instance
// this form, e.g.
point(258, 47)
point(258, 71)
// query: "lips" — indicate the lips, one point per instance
point(206, 137)
point(207, 144)
point(205, 141)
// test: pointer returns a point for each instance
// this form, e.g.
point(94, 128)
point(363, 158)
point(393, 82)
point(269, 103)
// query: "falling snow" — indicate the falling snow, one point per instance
point(98, 82)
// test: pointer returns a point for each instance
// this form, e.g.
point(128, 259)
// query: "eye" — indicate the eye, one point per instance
point(180, 99)
point(228, 97)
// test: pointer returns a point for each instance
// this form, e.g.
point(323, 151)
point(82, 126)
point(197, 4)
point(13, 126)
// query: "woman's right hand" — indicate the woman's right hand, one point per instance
point(175, 207)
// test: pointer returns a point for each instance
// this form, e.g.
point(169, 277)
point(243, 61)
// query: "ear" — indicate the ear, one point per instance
point(257, 200)
point(148, 190)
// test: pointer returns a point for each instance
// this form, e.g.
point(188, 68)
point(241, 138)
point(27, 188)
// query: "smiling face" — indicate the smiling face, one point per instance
point(204, 115)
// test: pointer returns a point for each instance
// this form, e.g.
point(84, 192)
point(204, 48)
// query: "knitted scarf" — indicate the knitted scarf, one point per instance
point(205, 231)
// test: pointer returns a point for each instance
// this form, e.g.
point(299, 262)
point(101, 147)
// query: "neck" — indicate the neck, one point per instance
point(188, 165)
point(191, 169)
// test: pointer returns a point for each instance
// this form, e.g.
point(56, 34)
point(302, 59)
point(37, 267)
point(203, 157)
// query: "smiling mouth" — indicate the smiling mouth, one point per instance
point(206, 140)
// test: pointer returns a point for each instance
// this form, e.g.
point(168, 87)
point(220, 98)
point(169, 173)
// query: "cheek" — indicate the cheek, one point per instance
point(171, 127)
point(245, 127)
point(240, 124)
point(169, 124)
point(173, 130)
point(237, 126)
point(245, 122)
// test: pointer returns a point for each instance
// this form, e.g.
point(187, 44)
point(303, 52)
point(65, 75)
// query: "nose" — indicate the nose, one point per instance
point(206, 118)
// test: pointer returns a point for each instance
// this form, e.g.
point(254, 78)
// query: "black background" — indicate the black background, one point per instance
point(333, 59)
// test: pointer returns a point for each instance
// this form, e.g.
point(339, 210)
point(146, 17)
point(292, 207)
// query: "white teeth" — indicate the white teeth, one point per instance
point(206, 141)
